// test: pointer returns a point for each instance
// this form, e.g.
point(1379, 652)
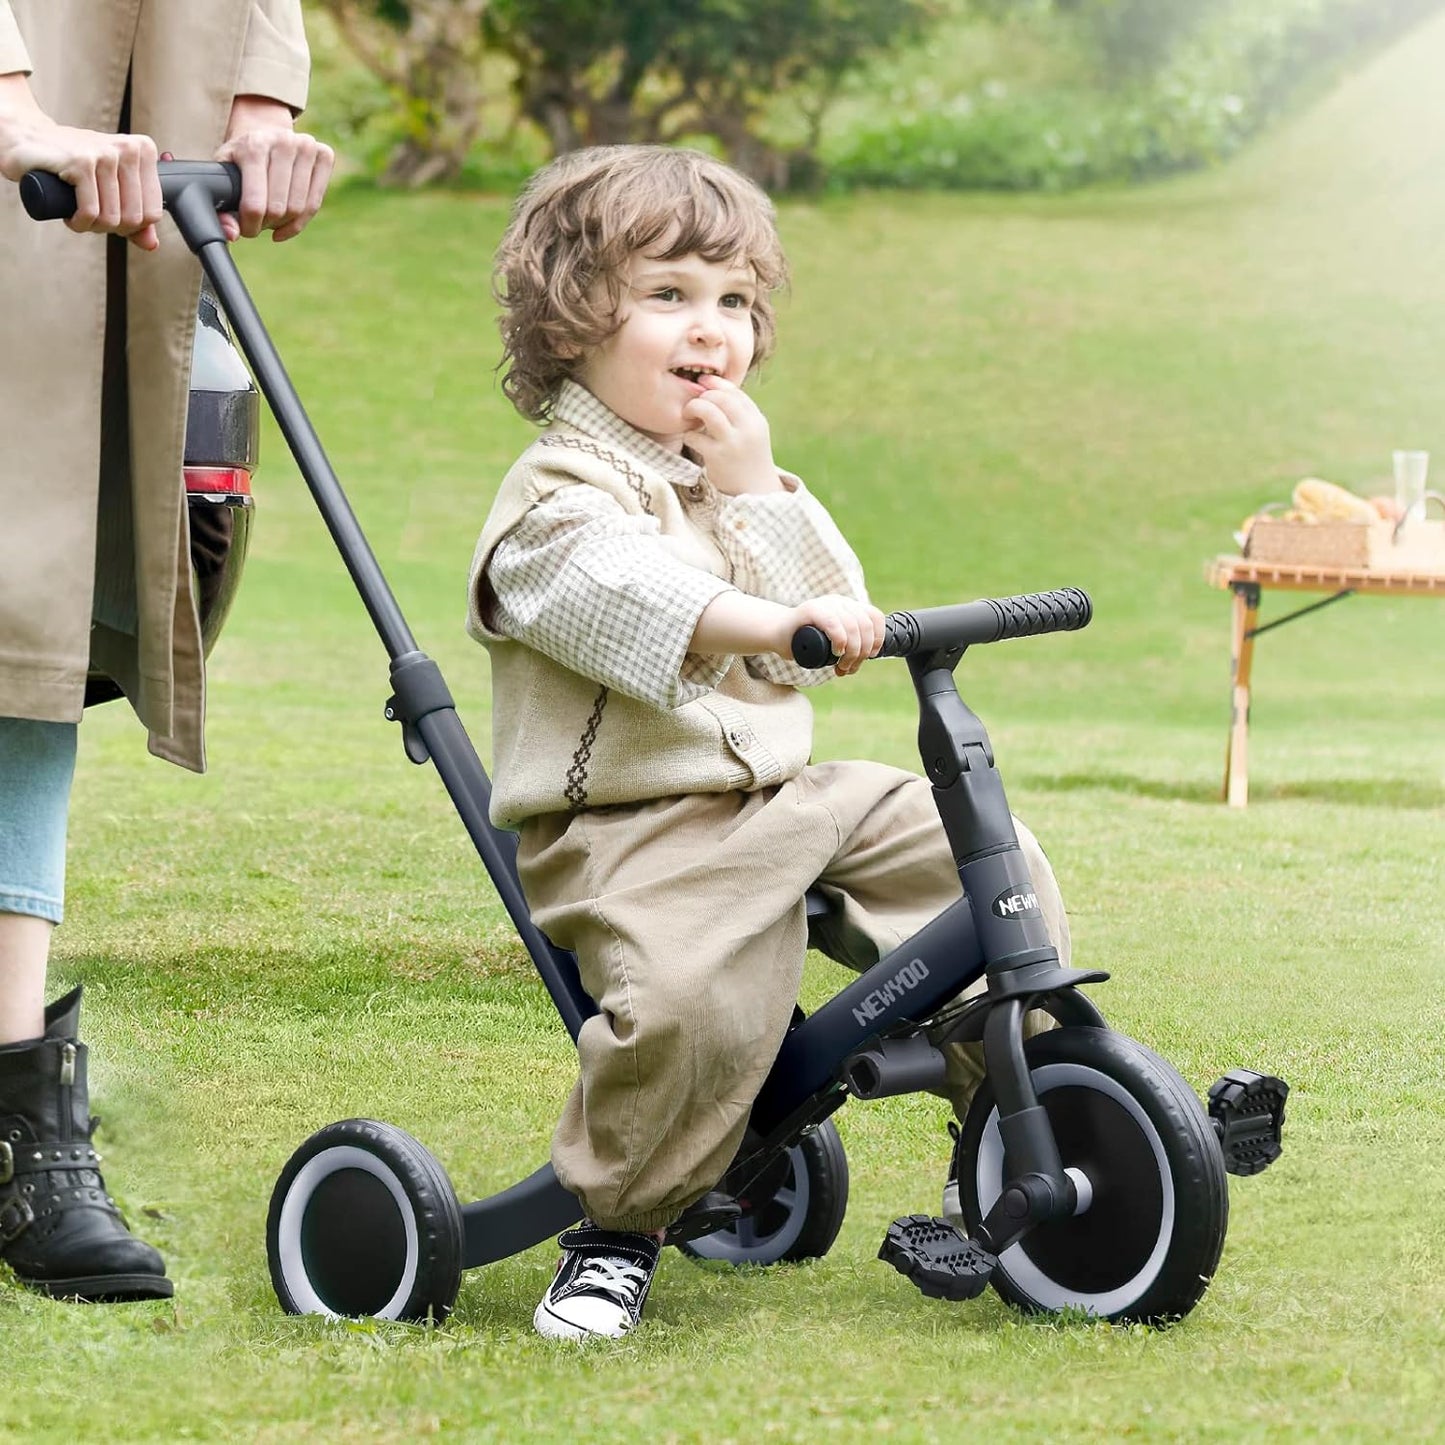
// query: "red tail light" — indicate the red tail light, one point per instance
point(228, 481)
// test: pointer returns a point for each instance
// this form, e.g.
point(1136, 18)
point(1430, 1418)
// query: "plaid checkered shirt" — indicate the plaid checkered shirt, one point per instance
point(586, 583)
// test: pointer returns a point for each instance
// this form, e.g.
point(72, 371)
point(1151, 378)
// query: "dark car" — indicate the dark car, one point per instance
point(222, 427)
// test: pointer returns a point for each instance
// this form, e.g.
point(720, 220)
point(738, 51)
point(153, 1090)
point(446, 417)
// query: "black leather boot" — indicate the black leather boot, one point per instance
point(59, 1230)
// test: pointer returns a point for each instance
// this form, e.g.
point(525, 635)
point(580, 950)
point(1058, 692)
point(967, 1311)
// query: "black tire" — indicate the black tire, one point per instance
point(364, 1223)
point(800, 1219)
point(1148, 1243)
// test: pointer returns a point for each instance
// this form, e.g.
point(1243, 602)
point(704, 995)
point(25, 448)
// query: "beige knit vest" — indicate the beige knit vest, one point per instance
point(562, 742)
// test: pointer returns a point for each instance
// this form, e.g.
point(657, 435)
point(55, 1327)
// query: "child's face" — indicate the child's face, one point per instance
point(678, 317)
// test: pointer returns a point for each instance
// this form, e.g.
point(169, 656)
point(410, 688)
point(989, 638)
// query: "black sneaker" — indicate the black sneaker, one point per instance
point(952, 1208)
point(600, 1286)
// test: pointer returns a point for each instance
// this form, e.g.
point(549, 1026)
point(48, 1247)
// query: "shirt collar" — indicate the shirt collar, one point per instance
point(576, 406)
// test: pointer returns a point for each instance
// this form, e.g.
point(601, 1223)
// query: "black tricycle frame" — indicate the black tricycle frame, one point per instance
point(878, 1036)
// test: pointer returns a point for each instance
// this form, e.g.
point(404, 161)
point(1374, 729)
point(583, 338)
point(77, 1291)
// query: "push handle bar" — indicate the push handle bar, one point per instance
point(48, 198)
point(934, 629)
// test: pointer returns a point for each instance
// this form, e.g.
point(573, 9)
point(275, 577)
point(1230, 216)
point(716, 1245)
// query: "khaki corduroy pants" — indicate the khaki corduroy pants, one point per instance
point(688, 922)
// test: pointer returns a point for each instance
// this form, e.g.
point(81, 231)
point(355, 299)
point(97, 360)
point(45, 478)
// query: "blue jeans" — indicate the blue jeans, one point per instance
point(37, 763)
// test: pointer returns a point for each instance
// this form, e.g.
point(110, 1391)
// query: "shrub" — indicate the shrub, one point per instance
point(1220, 85)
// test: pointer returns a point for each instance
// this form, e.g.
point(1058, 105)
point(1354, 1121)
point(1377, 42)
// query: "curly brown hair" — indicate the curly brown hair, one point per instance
point(558, 274)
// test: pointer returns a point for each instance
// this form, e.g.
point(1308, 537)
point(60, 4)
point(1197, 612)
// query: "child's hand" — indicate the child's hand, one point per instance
point(854, 628)
point(731, 436)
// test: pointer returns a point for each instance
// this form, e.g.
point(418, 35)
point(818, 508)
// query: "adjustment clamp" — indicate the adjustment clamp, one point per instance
point(420, 691)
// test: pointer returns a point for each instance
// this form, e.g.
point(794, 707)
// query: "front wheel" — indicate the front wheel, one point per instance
point(797, 1212)
point(1153, 1198)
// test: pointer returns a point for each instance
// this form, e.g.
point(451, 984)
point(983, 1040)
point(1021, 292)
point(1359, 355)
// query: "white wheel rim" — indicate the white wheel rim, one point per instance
point(288, 1234)
point(988, 1175)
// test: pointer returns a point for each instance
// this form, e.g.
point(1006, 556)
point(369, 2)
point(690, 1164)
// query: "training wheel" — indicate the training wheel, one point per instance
point(364, 1222)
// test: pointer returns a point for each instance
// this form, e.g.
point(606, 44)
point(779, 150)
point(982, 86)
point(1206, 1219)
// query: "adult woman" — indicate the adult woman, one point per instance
point(94, 554)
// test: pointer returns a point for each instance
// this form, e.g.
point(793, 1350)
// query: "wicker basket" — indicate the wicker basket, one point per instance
point(1372, 546)
point(1314, 544)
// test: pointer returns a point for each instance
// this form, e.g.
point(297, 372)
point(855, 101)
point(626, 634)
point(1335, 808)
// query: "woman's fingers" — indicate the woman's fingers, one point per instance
point(117, 188)
point(151, 202)
point(107, 194)
point(131, 193)
point(251, 213)
point(308, 189)
point(87, 195)
point(280, 166)
point(284, 174)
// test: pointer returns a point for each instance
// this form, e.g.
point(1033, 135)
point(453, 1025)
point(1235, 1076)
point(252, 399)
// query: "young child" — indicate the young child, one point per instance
point(637, 584)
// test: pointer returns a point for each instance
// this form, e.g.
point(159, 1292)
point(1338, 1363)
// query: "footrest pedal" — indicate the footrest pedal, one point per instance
point(714, 1211)
point(1247, 1110)
point(941, 1261)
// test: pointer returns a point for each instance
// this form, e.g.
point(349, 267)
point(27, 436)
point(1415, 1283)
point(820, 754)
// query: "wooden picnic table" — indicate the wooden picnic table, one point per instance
point(1247, 580)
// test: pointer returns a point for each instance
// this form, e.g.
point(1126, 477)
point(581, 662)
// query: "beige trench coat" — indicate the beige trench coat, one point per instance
point(187, 60)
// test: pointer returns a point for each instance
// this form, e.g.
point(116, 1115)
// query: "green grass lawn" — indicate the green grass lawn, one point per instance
point(993, 396)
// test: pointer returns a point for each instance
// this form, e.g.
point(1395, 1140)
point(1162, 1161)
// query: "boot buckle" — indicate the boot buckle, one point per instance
point(15, 1218)
point(7, 1162)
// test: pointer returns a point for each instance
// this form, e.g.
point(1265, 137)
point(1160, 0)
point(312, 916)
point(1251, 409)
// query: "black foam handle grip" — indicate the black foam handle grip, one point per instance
point(934, 629)
point(48, 198)
point(1065, 610)
point(811, 647)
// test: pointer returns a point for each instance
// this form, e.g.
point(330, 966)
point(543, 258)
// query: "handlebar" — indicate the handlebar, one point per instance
point(48, 198)
point(933, 629)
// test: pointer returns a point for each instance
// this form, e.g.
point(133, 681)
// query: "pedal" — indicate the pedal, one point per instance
point(943, 1262)
point(714, 1211)
point(1247, 1111)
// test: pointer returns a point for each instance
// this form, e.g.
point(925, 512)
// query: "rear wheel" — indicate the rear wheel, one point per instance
point(797, 1211)
point(1154, 1203)
point(364, 1222)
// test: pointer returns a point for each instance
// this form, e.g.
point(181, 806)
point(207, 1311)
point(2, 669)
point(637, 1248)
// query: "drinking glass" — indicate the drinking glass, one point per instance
point(1410, 472)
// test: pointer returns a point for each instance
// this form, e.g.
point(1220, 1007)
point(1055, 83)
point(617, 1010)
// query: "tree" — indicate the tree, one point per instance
point(591, 72)
point(428, 53)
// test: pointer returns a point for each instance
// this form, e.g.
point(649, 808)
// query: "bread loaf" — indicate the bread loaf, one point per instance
point(1330, 503)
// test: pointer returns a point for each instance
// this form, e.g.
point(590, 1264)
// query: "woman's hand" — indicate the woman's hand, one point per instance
point(854, 628)
point(284, 172)
point(732, 438)
point(117, 189)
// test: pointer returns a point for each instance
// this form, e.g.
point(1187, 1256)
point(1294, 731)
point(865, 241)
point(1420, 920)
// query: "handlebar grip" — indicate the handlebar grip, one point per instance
point(1065, 610)
point(811, 647)
point(933, 629)
point(48, 198)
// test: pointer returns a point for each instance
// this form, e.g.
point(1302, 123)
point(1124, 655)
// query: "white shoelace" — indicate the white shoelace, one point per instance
point(617, 1277)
